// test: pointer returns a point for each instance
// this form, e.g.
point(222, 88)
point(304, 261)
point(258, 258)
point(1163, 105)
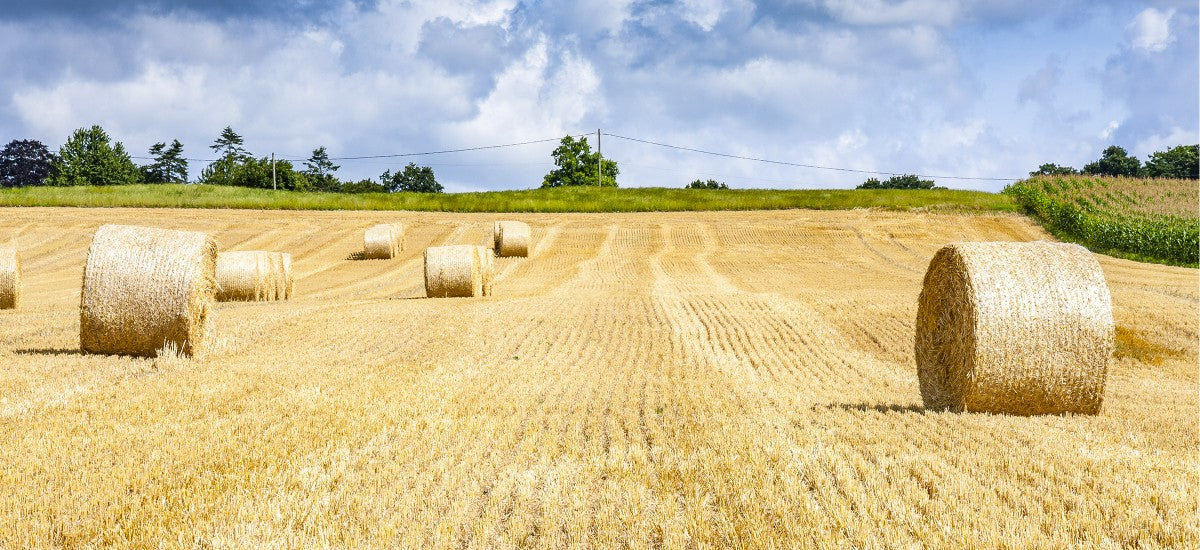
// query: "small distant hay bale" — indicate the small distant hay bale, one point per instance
point(380, 242)
point(10, 279)
point(457, 271)
point(1016, 328)
point(511, 238)
point(244, 276)
point(147, 289)
point(289, 279)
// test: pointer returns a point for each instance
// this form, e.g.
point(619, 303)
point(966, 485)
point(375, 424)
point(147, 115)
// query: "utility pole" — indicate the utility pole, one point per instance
point(599, 160)
point(273, 184)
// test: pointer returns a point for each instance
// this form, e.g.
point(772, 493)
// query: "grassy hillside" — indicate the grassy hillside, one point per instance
point(1144, 219)
point(588, 199)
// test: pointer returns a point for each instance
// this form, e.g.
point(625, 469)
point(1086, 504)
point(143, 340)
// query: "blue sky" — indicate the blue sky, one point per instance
point(975, 89)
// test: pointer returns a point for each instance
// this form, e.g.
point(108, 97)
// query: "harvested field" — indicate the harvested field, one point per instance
point(657, 380)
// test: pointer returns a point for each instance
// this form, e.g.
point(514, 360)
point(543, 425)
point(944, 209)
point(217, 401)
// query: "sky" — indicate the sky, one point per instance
point(953, 89)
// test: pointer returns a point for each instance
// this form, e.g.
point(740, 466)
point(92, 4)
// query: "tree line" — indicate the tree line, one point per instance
point(91, 157)
point(1180, 162)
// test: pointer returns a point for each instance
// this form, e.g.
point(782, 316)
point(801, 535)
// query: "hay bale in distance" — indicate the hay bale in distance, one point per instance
point(457, 271)
point(1017, 328)
point(289, 279)
point(244, 276)
point(380, 242)
point(511, 238)
point(10, 279)
point(145, 289)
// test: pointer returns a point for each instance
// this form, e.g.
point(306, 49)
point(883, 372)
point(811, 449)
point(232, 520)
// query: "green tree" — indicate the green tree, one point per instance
point(168, 165)
point(319, 170)
point(363, 186)
point(1181, 162)
point(577, 166)
point(1114, 162)
point(229, 146)
point(1051, 169)
point(415, 179)
point(907, 181)
point(87, 158)
point(25, 162)
point(709, 184)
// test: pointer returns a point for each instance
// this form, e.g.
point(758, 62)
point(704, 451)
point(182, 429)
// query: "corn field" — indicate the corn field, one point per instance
point(677, 380)
point(1153, 219)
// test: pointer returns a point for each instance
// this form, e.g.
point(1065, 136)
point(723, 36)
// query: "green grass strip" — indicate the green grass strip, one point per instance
point(563, 199)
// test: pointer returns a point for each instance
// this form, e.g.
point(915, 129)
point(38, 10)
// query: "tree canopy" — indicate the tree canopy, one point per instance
point(577, 166)
point(1114, 162)
point(25, 162)
point(907, 181)
point(1181, 162)
point(87, 158)
point(416, 179)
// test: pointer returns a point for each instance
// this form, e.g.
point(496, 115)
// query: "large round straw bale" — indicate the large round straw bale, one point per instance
point(146, 289)
point(243, 276)
point(455, 270)
point(1018, 328)
point(289, 279)
point(10, 279)
point(511, 238)
point(379, 242)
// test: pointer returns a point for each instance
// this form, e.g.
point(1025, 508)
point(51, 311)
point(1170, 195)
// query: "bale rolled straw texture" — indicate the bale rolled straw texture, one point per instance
point(278, 275)
point(10, 279)
point(147, 289)
point(244, 276)
point(486, 268)
point(511, 238)
point(1017, 328)
point(380, 243)
point(457, 271)
point(398, 238)
point(289, 279)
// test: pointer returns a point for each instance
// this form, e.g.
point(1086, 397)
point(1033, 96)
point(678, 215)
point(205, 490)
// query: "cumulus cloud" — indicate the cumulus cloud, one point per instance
point(1151, 30)
point(895, 86)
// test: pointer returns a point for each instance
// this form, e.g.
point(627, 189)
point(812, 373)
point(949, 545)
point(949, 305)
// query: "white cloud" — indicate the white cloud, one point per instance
point(1151, 30)
point(1108, 130)
point(905, 12)
point(1162, 142)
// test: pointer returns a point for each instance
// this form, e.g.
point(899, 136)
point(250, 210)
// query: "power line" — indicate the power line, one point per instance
point(801, 165)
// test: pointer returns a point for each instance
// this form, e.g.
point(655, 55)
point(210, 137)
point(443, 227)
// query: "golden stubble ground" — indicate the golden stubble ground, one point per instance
point(644, 380)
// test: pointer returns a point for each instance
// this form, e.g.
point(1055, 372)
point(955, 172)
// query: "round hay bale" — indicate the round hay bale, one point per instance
point(289, 279)
point(379, 242)
point(146, 289)
point(10, 279)
point(242, 276)
point(1017, 328)
point(453, 271)
point(511, 238)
